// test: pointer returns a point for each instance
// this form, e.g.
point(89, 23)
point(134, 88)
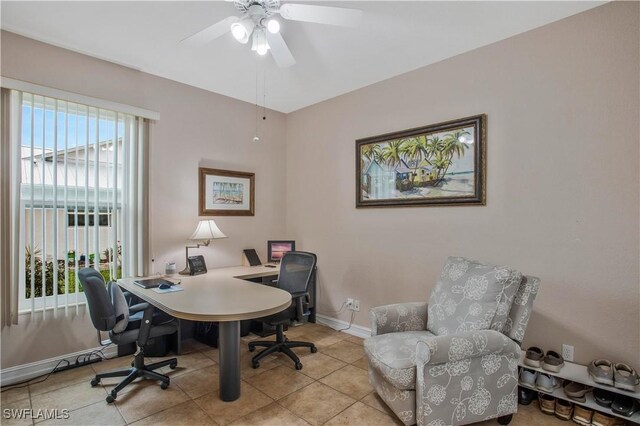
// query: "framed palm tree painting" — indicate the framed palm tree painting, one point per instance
point(441, 164)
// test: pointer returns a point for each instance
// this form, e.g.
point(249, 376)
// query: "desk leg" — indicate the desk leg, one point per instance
point(229, 342)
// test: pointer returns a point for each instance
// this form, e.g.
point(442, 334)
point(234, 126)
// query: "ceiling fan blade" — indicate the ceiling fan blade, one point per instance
point(211, 32)
point(280, 51)
point(321, 14)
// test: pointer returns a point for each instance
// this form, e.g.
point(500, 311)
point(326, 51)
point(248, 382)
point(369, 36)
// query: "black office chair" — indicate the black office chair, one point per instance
point(110, 312)
point(296, 270)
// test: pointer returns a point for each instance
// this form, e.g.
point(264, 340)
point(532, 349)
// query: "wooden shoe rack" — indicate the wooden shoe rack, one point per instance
point(578, 373)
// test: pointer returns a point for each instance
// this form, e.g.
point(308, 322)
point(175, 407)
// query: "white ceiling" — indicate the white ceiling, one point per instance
point(394, 37)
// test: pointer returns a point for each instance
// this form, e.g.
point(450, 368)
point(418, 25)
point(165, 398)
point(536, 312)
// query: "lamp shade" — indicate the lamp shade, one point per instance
point(207, 230)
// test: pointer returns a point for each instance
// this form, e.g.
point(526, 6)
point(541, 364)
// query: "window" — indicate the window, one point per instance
point(75, 167)
point(104, 219)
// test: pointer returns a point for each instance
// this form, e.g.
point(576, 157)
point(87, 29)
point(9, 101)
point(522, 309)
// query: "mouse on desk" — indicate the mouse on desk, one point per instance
point(164, 286)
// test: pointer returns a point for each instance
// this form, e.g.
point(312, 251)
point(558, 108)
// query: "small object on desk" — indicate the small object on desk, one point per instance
point(277, 248)
point(170, 268)
point(197, 265)
point(252, 257)
point(270, 266)
point(165, 285)
point(152, 282)
point(168, 290)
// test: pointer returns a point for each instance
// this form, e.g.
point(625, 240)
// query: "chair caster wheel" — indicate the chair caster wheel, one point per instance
point(505, 420)
point(252, 348)
point(255, 364)
point(173, 366)
point(132, 363)
point(164, 385)
point(110, 399)
point(94, 382)
point(314, 349)
point(298, 366)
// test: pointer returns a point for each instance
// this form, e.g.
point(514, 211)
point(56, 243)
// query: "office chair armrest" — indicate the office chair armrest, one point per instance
point(145, 325)
point(138, 307)
point(297, 298)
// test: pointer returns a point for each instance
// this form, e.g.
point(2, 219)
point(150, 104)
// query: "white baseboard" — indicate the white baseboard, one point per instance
point(336, 324)
point(23, 372)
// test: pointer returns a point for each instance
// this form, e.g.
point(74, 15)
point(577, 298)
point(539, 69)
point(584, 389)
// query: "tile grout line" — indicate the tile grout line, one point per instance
point(201, 351)
point(157, 412)
point(70, 411)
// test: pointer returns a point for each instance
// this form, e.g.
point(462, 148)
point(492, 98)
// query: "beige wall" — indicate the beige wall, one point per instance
point(563, 174)
point(195, 127)
point(562, 194)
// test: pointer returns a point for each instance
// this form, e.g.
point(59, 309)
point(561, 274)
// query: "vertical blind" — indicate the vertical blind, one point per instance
point(82, 183)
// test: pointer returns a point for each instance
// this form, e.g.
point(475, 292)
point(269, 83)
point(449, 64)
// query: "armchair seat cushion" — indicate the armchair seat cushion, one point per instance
point(393, 356)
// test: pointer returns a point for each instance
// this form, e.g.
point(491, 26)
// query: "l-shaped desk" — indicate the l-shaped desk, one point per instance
point(225, 295)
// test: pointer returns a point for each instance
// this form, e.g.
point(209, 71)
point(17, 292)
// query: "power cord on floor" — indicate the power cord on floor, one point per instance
point(28, 382)
point(82, 358)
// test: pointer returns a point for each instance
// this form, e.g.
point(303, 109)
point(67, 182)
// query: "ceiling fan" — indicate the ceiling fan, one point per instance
point(258, 24)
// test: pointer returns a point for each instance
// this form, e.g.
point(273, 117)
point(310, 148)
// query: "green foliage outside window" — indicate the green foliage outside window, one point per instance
point(62, 269)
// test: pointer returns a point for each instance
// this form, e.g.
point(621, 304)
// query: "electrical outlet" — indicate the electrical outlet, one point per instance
point(350, 304)
point(356, 305)
point(567, 352)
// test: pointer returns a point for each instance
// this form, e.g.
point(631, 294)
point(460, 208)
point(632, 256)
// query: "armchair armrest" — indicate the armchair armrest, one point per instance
point(470, 344)
point(475, 372)
point(398, 317)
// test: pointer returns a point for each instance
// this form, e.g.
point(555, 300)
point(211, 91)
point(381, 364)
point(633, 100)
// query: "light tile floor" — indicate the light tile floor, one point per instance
point(332, 389)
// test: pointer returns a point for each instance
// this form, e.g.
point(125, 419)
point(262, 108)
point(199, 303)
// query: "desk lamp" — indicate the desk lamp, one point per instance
point(206, 231)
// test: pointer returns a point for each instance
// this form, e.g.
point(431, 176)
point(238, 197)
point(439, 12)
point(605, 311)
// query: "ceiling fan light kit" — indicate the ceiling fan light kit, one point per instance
point(242, 29)
point(260, 45)
point(257, 23)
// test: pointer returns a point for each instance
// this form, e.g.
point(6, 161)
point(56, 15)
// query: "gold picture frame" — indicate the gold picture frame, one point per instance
point(226, 193)
point(440, 164)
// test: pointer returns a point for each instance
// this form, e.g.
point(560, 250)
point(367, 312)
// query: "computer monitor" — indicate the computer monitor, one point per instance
point(277, 249)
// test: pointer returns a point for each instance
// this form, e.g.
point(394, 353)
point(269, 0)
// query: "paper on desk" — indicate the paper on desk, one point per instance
point(168, 290)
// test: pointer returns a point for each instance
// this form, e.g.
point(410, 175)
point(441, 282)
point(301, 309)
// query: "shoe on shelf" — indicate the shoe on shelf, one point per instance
point(528, 378)
point(564, 409)
point(546, 383)
point(576, 391)
point(625, 377)
point(534, 357)
point(553, 361)
point(547, 404)
point(603, 398)
point(601, 371)
point(625, 405)
point(601, 419)
point(582, 415)
point(526, 395)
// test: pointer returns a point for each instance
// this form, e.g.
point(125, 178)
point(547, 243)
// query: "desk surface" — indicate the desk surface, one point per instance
point(221, 294)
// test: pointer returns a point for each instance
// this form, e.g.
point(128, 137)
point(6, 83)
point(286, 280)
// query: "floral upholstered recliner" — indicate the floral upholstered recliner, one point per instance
point(453, 361)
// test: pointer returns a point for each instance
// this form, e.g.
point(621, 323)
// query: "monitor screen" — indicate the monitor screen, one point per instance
point(277, 249)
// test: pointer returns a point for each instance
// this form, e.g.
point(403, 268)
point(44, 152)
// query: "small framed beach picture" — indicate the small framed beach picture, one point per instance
point(437, 165)
point(226, 193)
